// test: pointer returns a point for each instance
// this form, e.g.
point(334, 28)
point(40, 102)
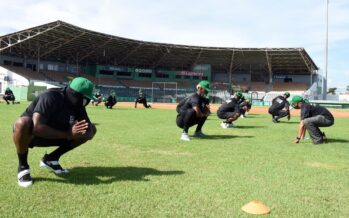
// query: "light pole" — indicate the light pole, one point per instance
point(324, 84)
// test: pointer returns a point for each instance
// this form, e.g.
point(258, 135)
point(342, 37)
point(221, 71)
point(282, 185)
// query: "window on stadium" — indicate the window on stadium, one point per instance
point(162, 75)
point(186, 77)
point(196, 77)
point(145, 75)
point(17, 64)
point(123, 73)
point(52, 67)
point(204, 78)
point(6, 62)
point(106, 72)
point(178, 76)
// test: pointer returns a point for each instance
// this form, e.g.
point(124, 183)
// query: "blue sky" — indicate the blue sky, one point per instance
point(227, 23)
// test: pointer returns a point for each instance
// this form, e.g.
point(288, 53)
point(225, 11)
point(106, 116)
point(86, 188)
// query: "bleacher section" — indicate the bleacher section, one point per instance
point(26, 73)
point(293, 86)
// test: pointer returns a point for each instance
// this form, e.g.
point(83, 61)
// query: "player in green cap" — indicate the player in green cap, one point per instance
point(142, 99)
point(111, 101)
point(230, 110)
point(280, 108)
point(312, 117)
point(9, 96)
point(193, 110)
point(57, 117)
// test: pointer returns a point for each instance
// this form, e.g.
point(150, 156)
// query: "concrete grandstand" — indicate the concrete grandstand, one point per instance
point(57, 51)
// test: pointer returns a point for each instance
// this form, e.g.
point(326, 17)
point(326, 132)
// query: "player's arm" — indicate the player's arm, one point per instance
point(198, 112)
point(301, 132)
point(91, 129)
point(40, 129)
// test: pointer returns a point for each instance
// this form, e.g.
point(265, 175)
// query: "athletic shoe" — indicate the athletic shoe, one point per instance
point(324, 138)
point(224, 125)
point(275, 121)
point(52, 165)
point(199, 134)
point(230, 125)
point(24, 178)
point(185, 137)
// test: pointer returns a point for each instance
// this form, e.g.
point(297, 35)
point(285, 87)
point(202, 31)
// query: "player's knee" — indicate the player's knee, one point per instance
point(23, 124)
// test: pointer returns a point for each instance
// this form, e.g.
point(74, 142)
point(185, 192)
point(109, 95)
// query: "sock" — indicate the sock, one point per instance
point(23, 161)
point(185, 130)
point(56, 154)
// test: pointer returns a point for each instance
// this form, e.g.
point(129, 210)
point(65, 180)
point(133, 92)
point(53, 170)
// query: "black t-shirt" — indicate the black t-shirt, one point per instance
point(111, 99)
point(279, 103)
point(231, 105)
point(8, 92)
point(56, 110)
point(308, 110)
point(194, 100)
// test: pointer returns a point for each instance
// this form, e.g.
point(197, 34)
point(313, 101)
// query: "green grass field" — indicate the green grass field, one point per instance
point(136, 166)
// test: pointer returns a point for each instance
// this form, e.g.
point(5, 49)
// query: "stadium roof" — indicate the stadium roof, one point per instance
point(60, 41)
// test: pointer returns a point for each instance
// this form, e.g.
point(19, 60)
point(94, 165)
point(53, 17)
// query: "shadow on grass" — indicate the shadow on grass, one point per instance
point(225, 136)
point(107, 175)
point(289, 122)
point(337, 140)
point(248, 127)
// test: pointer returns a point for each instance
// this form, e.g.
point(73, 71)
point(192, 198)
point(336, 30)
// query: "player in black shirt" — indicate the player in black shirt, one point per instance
point(9, 96)
point(194, 110)
point(230, 110)
point(142, 100)
point(98, 100)
point(111, 101)
point(312, 117)
point(280, 108)
point(57, 117)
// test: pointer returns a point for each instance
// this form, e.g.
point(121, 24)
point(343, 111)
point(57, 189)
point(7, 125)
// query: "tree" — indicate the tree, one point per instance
point(332, 91)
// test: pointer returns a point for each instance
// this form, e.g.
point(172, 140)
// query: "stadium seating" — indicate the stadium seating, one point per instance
point(26, 73)
point(293, 86)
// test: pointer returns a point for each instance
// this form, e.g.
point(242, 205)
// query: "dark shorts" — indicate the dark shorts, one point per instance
point(225, 115)
point(42, 142)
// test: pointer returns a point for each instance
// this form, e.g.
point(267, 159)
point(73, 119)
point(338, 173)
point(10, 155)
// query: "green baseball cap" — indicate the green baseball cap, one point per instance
point(287, 94)
point(205, 85)
point(296, 99)
point(239, 94)
point(83, 86)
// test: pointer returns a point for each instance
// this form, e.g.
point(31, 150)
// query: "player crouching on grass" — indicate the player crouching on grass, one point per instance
point(230, 110)
point(57, 117)
point(193, 110)
point(280, 108)
point(312, 117)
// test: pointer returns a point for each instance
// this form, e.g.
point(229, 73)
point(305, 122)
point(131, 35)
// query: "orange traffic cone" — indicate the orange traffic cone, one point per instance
point(255, 207)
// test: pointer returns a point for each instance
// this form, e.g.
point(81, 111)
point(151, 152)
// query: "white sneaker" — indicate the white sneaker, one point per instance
point(185, 137)
point(24, 179)
point(224, 125)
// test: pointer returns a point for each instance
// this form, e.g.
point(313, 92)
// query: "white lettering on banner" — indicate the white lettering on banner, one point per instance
point(189, 73)
point(143, 70)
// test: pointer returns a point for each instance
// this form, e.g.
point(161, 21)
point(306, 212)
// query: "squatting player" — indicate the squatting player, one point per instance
point(280, 108)
point(230, 110)
point(194, 110)
point(57, 117)
point(142, 100)
point(312, 117)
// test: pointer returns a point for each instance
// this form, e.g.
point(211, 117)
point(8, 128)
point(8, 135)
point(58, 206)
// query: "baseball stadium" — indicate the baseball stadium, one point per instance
point(136, 165)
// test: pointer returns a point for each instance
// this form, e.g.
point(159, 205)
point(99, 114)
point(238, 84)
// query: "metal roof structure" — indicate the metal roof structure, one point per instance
point(63, 42)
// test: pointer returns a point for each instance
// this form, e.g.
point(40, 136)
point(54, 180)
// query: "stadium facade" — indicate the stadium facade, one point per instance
point(56, 51)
